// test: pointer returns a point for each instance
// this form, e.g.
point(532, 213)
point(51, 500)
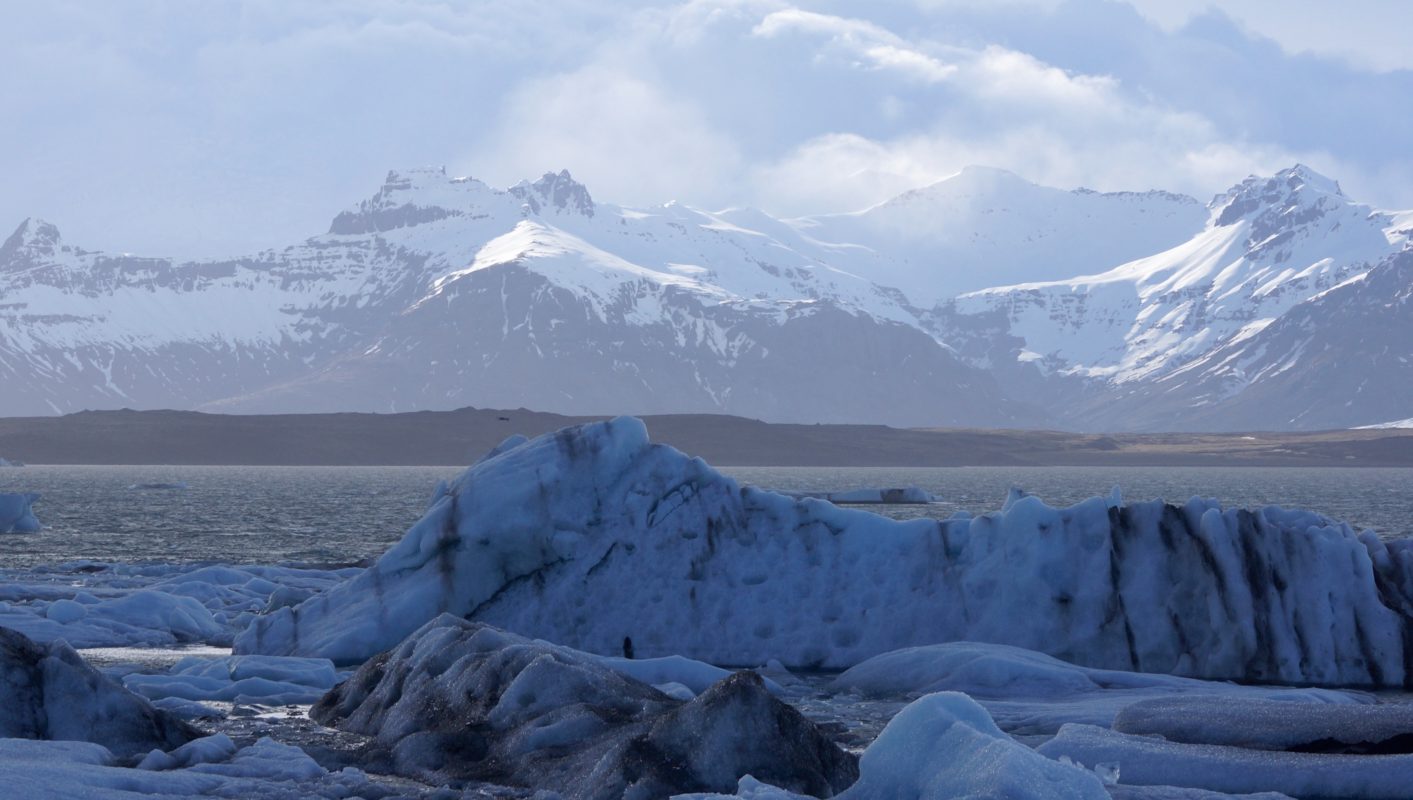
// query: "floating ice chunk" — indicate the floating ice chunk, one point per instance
point(695, 675)
point(265, 770)
point(1147, 760)
point(160, 486)
point(1273, 725)
point(49, 692)
point(910, 495)
point(197, 751)
point(748, 789)
point(459, 700)
point(143, 617)
point(10, 463)
point(65, 611)
point(944, 746)
point(592, 534)
point(268, 680)
point(17, 514)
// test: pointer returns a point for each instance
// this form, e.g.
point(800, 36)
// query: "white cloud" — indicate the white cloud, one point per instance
point(216, 127)
point(627, 138)
point(872, 45)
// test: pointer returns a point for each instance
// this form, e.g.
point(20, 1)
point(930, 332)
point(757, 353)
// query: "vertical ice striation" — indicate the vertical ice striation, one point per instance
point(593, 533)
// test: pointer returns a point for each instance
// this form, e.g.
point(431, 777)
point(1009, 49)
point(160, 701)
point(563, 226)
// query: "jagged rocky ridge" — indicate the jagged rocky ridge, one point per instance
point(462, 701)
point(442, 292)
point(593, 533)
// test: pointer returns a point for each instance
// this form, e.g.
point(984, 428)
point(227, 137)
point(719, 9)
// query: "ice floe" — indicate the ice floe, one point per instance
point(1152, 760)
point(264, 770)
point(1032, 694)
point(1385, 728)
point(267, 680)
point(592, 534)
point(127, 605)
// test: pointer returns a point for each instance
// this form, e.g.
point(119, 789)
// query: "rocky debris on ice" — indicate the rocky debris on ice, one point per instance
point(1031, 694)
point(1377, 728)
point(17, 513)
point(592, 534)
point(910, 495)
point(266, 680)
point(50, 692)
point(460, 700)
point(1151, 760)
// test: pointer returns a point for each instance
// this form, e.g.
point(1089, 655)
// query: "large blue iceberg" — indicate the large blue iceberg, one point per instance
point(593, 535)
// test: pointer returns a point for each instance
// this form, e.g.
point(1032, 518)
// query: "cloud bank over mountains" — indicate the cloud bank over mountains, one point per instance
point(156, 127)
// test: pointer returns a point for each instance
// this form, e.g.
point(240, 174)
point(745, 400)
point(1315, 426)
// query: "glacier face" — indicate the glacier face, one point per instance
point(593, 534)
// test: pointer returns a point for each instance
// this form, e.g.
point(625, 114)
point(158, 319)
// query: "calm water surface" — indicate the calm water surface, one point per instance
point(343, 514)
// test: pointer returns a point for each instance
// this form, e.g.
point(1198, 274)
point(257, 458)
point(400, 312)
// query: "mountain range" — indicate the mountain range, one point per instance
point(980, 301)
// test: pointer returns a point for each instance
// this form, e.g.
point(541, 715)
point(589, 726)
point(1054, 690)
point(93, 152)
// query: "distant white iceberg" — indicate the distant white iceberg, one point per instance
point(17, 513)
point(907, 495)
point(7, 463)
point(592, 534)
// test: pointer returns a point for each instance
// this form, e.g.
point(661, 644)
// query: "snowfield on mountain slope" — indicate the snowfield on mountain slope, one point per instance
point(1270, 244)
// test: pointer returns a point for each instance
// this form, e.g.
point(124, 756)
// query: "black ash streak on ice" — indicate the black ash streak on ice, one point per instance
point(596, 517)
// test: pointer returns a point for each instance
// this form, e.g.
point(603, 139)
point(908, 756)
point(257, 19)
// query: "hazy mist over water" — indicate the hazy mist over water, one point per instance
point(344, 514)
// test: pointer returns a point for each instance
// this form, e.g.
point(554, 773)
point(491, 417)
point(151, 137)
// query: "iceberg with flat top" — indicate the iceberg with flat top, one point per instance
point(592, 535)
point(17, 513)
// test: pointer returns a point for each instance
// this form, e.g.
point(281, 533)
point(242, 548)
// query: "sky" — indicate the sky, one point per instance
point(165, 127)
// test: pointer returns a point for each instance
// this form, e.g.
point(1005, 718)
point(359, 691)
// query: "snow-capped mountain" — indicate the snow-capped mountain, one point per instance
point(1180, 339)
point(440, 292)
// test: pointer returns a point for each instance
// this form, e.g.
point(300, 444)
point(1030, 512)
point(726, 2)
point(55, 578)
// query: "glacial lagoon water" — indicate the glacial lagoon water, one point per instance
point(339, 515)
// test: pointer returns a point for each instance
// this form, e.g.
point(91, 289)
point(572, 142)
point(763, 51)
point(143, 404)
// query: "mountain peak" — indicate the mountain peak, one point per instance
point(34, 236)
point(555, 190)
point(1294, 187)
point(1293, 197)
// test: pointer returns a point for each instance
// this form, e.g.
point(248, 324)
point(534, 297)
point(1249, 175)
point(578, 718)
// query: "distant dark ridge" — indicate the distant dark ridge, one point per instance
point(454, 438)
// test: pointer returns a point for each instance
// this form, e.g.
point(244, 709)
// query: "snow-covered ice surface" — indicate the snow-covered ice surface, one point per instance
point(462, 700)
point(593, 534)
point(17, 513)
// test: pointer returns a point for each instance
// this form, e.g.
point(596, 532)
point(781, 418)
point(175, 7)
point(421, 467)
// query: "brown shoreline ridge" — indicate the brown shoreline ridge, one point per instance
point(455, 438)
